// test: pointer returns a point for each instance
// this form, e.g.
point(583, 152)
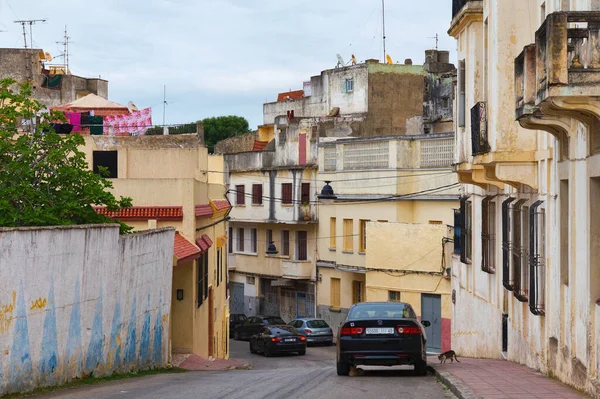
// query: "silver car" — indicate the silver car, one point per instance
point(317, 331)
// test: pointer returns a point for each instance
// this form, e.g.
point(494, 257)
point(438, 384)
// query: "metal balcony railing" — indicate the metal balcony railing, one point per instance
point(479, 137)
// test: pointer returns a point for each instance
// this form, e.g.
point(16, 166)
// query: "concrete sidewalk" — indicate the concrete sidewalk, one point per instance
point(485, 378)
point(197, 363)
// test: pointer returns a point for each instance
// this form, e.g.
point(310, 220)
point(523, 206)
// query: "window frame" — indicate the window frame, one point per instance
point(362, 231)
point(285, 242)
point(335, 295)
point(240, 195)
point(488, 235)
point(287, 193)
point(301, 245)
point(254, 240)
point(537, 259)
point(305, 193)
point(348, 230)
point(397, 294)
point(332, 233)
point(348, 85)
point(358, 291)
point(240, 239)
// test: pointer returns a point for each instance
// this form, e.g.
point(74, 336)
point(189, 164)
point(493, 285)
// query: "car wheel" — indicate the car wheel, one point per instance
point(421, 368)
point(302, 352)
point(252, 350)
point(343, 368)
point(236, 336)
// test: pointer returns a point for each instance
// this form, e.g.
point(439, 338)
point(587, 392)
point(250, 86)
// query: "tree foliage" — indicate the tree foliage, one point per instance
point(44, 176)
point(223, 127)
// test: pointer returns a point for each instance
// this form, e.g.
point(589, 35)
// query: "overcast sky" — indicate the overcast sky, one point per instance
point(221, 57)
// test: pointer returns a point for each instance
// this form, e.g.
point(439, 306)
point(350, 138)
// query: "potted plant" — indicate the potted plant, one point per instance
point(306, 211)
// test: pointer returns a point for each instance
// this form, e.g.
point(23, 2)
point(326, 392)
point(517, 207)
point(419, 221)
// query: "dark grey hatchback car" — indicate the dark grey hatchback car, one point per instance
point(382, 334)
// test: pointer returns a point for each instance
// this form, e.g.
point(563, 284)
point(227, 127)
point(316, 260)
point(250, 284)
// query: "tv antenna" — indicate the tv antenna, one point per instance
point(165, 103)
point(437, 40)
point(383, 23)
point(65, 53)
point(29, 22)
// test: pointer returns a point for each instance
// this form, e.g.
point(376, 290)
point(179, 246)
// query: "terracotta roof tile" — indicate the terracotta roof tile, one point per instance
point(220, 205)
point(144, 213)
point(184, 250)
point(259, 145)
point(203, 245)
point(290, 95)
point(203, 210)
point(207, 240)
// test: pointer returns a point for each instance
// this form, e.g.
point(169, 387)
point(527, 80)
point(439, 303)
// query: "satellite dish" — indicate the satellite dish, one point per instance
point(340, 61)
point(389, 59)
point(131, 106)
point(47, 56)
point(353, 60)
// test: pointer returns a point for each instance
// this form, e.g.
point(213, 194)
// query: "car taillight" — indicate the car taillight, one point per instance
point(331, 331)
point(408, 330)
point(308, 331)
point(276, 339)
point(351, 331)
point(302, 338)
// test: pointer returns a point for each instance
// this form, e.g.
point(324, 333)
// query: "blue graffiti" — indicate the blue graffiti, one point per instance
point(145, 340)
point(49, 351)
point(73, 350)
point(157, 344)
point(21, 369)
point(94, 354)
point(115, 337)
point(131, 344)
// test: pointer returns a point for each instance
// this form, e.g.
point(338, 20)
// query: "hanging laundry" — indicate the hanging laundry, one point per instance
point(85, 119)
point(75, 120)
point(96, 125)
point(62, 128)
point(135, 123)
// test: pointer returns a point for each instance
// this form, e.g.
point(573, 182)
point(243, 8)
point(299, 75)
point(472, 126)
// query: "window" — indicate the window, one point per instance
point(253, 240)
point(332, 237)
point(520, 249)
point(286, 193)
point(394, 296)
point(465, 230)
point(285, 242)
point(564, 231)
point(457, 231)
point(461, 82)
point(202, 270)
point(257, 194)
point(358, 291)
point(305, 194)
point(240, 240)
point(348, 237)
point(363, 235)
point(107, 161)
point(335, 292)
point(507, 279)
point(537, 260)
point(348, 85)
point(488, 235)
point(268, 237)
point(230, 245)
point(301, 245)
point(240, 195)
point(469, 231)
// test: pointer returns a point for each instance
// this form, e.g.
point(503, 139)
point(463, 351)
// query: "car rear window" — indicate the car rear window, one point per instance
point(317, 324)
point(275, 320)
point(381, 311)
point(284, 330)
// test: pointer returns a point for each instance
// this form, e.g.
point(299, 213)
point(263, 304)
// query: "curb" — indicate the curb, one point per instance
point(456, 386)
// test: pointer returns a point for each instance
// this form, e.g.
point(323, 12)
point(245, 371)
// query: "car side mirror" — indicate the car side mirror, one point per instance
point(425, 323)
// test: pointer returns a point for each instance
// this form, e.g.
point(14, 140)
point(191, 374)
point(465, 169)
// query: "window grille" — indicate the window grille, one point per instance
point(302, 245)
point(437, 153)
point(457, 231)
point(488, 235)
point(507, 280)
point(330, 155)
point(370, 155)
point(537, 259)
point(520, 249)
point(286, 193)
point(463, 240)
point(285, 242)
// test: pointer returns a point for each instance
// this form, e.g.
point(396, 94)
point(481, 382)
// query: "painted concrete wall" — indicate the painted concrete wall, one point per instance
point(81, 300)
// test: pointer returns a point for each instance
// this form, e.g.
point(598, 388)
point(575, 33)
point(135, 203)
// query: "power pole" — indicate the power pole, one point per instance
point(383, 23)
point(30, 22)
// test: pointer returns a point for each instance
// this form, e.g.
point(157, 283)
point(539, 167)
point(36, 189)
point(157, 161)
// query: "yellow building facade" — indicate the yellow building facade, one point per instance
point(174, 182)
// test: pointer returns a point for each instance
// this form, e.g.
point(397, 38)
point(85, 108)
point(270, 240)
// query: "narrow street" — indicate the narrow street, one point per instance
point(287, 376)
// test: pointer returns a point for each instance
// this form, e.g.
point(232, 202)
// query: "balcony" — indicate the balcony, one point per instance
point(464, 11)
point(479, 138)
point(298, 270)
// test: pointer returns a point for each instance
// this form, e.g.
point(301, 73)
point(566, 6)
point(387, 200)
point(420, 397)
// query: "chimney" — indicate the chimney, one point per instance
point(408, 61)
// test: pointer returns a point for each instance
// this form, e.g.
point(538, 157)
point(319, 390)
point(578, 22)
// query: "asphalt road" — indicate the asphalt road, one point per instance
point(288, 376)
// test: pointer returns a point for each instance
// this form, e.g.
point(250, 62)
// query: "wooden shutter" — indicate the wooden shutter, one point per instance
point(240, 196)
point(335, 292)
point(285, 242)
point(286, 193)
point(305, 193)
point(332, 233)
point(257, 194)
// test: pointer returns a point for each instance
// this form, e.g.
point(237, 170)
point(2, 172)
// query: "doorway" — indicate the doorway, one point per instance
point(431, 310)
point(211, 322)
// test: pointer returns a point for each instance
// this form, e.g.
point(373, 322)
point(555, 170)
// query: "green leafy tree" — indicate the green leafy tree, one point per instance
point(223, 127)
point(44, 176)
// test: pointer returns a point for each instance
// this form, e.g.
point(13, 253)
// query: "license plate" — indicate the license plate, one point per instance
point(290, 340)
point(380, 330)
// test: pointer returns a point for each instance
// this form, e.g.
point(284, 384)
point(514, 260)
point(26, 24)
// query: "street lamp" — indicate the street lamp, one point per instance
point(327, 193)
point(272, 250)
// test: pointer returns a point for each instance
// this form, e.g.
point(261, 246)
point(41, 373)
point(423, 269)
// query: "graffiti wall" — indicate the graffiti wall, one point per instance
point(81, 300)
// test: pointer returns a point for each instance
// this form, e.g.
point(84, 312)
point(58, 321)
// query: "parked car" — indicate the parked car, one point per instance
point(382, 334)
point(317, 331)
point(235, 319)
point(276, 339)
point(253, 324)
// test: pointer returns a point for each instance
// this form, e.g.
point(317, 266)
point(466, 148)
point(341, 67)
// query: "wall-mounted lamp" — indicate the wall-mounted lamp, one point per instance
point(179, 294)
point(327, 193)
point(272, 249)
point(448, 272)
point(320, 278)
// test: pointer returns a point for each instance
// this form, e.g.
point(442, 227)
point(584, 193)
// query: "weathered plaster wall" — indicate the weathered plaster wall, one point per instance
point(81, 300)
point(240, 143)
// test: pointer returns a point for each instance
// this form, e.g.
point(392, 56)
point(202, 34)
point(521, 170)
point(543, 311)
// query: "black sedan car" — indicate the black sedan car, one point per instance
point(235, 319)
point(253, 324)
point(382, 334)
point(278, 339)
